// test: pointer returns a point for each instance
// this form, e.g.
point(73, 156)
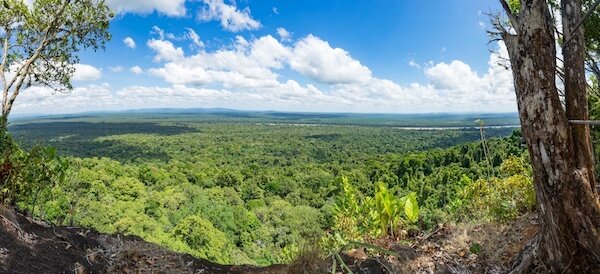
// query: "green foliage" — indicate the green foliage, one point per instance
point(505, 198)
point(475, 248)
point(594, 110)
point(207, 241)
point(257, 193)
point(515, 5)
point(358, 216)
point(353, 216)
point(592, 31)
point(25, 175)
point(411, 207)
point(389, 209)
point(44, 39)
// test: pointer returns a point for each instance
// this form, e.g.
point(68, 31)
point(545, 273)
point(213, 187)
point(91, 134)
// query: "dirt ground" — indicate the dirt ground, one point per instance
point(29, 246)
point(464, 248)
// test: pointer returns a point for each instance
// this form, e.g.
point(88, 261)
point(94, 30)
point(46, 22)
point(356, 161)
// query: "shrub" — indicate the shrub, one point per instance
point(502, 199)
point(25, 175)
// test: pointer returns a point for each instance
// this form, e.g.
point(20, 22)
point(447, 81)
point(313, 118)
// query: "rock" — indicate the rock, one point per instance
point(405, 253)
point(441, 268)
point(358, 254)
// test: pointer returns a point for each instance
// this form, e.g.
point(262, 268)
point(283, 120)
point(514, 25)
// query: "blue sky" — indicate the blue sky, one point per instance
point(313, 55)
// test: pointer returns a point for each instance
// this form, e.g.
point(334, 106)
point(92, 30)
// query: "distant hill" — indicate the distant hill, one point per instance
point(240, 116)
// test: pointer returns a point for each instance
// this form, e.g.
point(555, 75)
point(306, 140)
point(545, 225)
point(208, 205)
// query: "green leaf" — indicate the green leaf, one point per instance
point(411, 208)
point(475, 248)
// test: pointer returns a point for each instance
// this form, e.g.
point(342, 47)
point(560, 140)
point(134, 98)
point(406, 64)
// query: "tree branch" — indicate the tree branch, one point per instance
point(592, 65)
point(585, 17)
point(3, 66)
point(23, 69)
point(500, 32)
point(511, 16)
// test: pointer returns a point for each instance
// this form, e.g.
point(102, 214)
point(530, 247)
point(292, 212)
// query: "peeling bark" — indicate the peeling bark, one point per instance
point(576, 100)
point(561, 155)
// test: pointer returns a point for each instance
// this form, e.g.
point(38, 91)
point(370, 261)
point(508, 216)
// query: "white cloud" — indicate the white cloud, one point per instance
point(158, 31)
point(252, 67)
point(460, 84)
point(85, 72)
point(116, 69)
point(248, 64)
point(230, 17)
point(129, 42)
point(167, 7)
point(316, 59)
point(284, 34)
point(194, 37)
point(189, 35)
point(44, 100)
point(136, 70)
point(414, 64)
point(165, 50)
point(248, 75)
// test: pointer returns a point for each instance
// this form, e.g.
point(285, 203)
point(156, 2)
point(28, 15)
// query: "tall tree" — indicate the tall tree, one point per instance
point(40, 42)
point(568, 207)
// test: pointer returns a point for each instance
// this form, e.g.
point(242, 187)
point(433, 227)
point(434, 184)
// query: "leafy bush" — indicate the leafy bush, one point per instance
point(502, 199)
point(392, 211)
point(25, 175)
point(384, 214)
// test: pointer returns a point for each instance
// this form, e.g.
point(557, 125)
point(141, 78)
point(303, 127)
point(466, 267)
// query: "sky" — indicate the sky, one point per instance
point(378, 56)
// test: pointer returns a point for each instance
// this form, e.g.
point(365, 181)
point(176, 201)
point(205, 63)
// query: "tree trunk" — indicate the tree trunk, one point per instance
point(576, 98)
point(568, 208)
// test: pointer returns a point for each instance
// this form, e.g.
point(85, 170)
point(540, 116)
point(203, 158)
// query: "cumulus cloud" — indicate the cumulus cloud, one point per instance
point(230, 17)
point(136, 70)
point(42, 99)
point(461, 84)
point(317, 60)
point(245, 65)
point(247, 74)
point(166, 7)
point(165, 50)
point(284, 34)
point(254, 65)
point(85, 72)
point(129, 42)
point(104, 97)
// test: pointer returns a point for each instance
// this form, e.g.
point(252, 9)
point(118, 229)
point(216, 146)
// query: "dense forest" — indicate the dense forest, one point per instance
point(220, 190)
point(256, 191)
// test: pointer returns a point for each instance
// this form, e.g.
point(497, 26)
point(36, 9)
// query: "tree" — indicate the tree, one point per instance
point(39, 43)
point(203, 237)
point(560, 153)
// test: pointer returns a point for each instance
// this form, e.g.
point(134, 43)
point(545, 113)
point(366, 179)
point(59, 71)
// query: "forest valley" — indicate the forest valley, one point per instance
point(268, 192)
point(240, 192)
